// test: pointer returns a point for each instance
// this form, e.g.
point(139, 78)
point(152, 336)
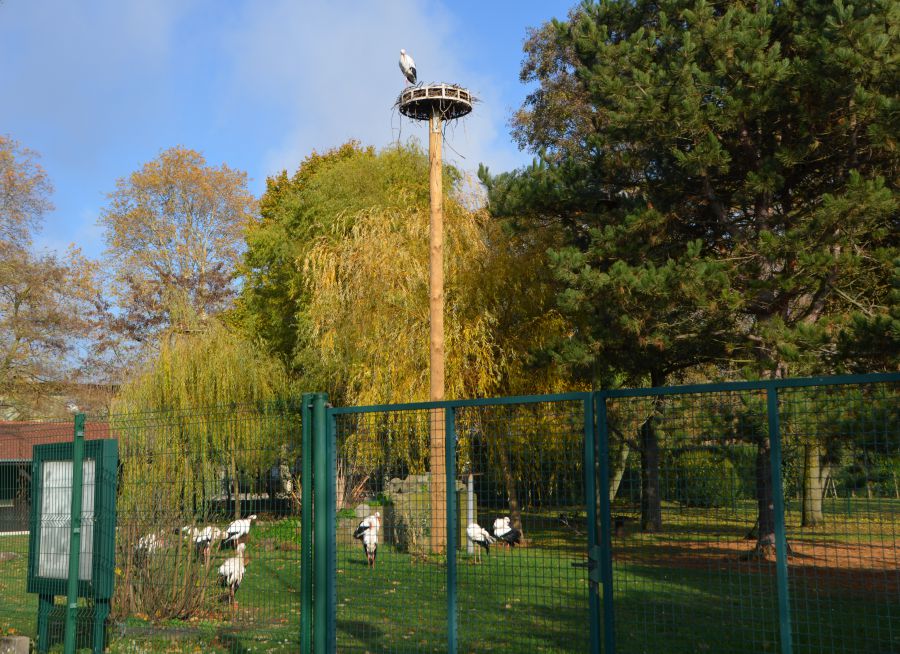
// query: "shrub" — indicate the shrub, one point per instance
point(702, 479)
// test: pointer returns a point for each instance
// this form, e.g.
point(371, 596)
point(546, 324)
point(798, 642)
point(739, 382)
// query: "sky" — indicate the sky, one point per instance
point(100, 87)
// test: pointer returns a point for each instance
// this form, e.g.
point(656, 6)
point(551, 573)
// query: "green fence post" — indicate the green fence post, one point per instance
point(784, 602)
point(605, 536)
point(452, 524)
point(320, 559)
point(306, 526)
point(330, 527)
point(75, 534)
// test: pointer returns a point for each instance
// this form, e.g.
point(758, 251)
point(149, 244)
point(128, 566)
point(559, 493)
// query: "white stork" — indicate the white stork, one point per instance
point(237, 530)
point(480, 537)
point(367, 532)
point(189, 531)
point(231, 574)
point(506, 533)
point(204, 539)
point(407, 67)
point(147, 545)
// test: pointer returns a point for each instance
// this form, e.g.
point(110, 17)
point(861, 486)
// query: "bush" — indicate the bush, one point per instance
point(702, 479)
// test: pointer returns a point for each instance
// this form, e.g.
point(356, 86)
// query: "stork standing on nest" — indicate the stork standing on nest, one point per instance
point(407, 67)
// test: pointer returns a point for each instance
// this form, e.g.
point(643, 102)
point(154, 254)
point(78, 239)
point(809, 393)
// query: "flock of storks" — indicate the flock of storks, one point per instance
point(231, 572)
point(367, 533)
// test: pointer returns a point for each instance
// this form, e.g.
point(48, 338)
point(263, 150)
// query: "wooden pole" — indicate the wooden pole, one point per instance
point(436, 292)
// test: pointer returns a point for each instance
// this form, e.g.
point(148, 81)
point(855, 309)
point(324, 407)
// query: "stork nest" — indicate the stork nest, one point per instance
point(422, 101)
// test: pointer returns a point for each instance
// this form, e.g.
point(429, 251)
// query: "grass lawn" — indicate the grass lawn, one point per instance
point(679, 591)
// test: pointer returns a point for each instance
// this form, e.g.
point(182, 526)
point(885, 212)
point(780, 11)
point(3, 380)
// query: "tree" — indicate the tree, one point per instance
point(337, 283)
point(174, 233)
point(24, 193)
point(211, 405)
point(47, 303)
point(732, 199)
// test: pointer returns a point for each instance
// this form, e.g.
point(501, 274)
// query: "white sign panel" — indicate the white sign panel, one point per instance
point(56, 519)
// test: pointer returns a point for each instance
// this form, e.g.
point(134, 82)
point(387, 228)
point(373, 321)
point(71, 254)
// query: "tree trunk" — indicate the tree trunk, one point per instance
point(237, 488)
point(509, 479)
point(814, 475)
point(617, 472)
point(651, 498)
point(765, 540)
point(651, 503)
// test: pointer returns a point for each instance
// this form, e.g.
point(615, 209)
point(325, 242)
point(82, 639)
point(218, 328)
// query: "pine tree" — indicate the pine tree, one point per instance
point(726, 180)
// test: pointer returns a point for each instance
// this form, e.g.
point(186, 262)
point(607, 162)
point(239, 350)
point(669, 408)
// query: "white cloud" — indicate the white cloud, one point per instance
point(332, 68)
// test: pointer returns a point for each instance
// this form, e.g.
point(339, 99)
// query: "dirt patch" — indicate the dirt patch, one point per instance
point(847, 567)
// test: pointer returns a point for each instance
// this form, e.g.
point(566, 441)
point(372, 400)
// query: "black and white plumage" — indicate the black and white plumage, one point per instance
point(480, 537)
point(204, 539)
point(504, 532)
point(231, 574)
point(367, 532)
point(407, 67)
point(237, 530)
point(150, 543)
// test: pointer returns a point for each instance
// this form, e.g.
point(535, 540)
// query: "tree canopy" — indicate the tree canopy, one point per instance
point(174, 234)
point(724, 175)
point(47, 301)
point(337, 279)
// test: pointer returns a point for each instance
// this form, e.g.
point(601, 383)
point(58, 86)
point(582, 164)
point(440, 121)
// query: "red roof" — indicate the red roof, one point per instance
point(18, 438)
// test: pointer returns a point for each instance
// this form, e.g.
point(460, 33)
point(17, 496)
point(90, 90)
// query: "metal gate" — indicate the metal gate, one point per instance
point(431, 472)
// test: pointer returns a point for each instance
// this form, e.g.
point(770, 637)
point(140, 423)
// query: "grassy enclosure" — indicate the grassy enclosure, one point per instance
point(690, 567)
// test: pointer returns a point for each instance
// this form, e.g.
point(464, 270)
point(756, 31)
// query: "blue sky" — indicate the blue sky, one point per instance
point(100, 87)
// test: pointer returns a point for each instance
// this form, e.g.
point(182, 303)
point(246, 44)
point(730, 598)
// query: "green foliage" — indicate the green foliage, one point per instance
point(702, 478)
point(730, 198)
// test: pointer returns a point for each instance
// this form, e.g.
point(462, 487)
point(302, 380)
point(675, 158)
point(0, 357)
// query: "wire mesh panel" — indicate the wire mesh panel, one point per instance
point(842, 489)
point(522, 573)
point(693, 528)
point(208, 539)
point(390, 529)
point(18, 608)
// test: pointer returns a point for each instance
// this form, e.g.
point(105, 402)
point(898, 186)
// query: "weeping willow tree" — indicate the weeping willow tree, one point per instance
point(205, 408)
point(337, 282)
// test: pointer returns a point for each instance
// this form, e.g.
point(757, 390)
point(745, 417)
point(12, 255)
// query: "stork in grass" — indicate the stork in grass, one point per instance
point(238, 530)
point(481, 537)
point(204, 539)
point(504, 532)
point(407, 67)
point(147, 545)
point(231, 574)
point(367, 532)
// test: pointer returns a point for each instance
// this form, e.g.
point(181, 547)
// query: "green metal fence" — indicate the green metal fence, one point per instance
point(517, 458)
point(754, 517)
point(745, 517)
point(183, 478)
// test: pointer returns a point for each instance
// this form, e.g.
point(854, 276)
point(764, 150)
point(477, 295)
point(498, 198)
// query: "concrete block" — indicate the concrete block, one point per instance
point(14, 645)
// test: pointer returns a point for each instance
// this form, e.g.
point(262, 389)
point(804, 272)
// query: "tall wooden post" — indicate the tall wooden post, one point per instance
point(437, 103)
point(436, 305)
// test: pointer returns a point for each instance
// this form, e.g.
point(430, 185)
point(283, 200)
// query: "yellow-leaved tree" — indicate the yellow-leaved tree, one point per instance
point(337, 281)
